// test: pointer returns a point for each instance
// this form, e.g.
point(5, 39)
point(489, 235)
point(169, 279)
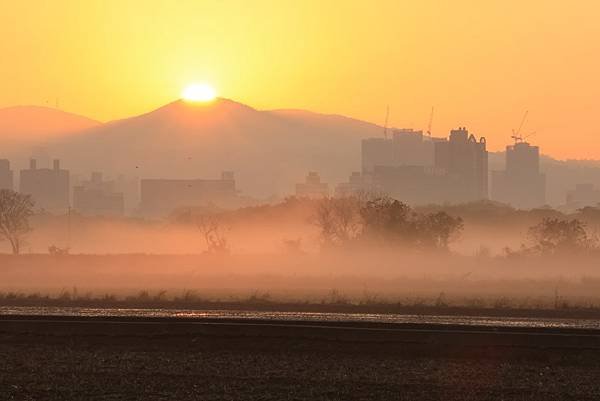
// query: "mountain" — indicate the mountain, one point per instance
point(269, 151)
point(35, 122)
point(25, 130)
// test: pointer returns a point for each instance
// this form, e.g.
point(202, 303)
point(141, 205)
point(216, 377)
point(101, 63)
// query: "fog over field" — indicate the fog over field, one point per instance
point(281, 252)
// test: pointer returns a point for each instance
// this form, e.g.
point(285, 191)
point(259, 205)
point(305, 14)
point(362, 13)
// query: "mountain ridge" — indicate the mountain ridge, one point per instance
point(39, 121)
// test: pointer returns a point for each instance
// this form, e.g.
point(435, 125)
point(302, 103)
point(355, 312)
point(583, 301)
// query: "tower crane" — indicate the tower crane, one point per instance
point(430, 122)
point(517, 134)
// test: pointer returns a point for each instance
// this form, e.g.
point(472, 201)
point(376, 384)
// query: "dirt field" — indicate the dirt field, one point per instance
point(97, 362)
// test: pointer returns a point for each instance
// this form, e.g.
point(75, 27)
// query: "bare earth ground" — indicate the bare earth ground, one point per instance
point(138, 364)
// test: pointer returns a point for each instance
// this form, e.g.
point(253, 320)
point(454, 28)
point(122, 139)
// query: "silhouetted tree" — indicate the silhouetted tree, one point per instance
point(15, 210)
point(338, 219)
point(213, 231)
point(438, 229)
point(387, 219)
point(590, 215)
point(552, 236)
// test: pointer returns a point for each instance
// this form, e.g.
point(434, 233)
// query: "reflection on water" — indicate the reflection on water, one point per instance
point(303, 316)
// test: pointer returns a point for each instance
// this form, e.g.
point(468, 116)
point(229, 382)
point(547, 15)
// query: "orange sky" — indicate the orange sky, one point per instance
point(480, 63)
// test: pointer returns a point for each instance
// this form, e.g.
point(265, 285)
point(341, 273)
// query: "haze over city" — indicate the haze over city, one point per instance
point(308, 200)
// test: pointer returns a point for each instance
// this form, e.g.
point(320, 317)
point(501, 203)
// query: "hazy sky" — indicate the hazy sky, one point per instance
point(480, 63)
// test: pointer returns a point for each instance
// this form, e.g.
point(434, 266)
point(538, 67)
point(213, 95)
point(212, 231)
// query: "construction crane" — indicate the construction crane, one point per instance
point(430, 122)
point(385, 126)
point(517, 134)
point(527, 136)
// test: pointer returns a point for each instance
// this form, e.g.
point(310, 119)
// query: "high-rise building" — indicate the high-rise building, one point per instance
point(521, 184)
point(97, 197)
point(415, 185)
point(418, 169)
point(406, 147)
point(160, 197)
point(49, 187)
point(411, 148)
point(6, 175)
point(376, 152)
point(312, 187)
point(464, 160)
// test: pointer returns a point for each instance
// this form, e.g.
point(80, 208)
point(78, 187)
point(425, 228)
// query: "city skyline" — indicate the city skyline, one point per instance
point(404, 164)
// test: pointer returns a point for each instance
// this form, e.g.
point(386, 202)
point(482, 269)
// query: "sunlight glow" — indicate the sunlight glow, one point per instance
point(199, 93)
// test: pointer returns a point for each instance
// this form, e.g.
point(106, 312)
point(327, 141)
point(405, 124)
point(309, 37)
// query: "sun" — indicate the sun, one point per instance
point(199, 93)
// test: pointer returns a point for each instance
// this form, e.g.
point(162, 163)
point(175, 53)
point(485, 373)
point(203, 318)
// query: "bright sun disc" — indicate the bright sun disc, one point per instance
point(199, 93)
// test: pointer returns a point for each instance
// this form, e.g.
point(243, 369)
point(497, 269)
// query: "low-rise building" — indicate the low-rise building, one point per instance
point(97, 197)
point(357, 184)
point(160, 197)
point(312, 187)
point(49, 187)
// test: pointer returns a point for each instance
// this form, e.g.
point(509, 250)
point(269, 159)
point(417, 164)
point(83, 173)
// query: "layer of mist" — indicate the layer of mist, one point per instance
point(280, 250)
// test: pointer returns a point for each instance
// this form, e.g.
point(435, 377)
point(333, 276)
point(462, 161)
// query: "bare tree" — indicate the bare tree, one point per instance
point(561, 236)
point(437, 230)
point(214, 233)
point(389, 220)
point(15, 210)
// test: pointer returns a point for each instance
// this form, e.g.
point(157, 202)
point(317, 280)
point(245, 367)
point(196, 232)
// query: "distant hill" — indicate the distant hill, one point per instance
point(36, 122)
point(25, 130)
point(269, 151)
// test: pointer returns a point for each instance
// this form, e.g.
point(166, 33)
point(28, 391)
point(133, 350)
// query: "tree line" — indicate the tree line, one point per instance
point(384, 221)
point(355, 221)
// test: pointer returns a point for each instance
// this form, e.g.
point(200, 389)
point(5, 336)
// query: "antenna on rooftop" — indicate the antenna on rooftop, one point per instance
point(385, 126)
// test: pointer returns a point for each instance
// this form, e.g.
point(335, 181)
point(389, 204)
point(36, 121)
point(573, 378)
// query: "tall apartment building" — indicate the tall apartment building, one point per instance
point(411, 148)
point(49, 187)
point(521, 184)
point(376, 152)
point(464, 161)
point(406, 147)
point(6, 175)
point(420, 170)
